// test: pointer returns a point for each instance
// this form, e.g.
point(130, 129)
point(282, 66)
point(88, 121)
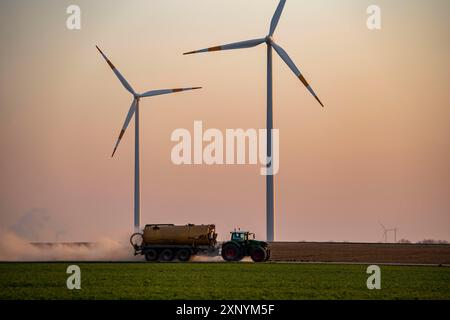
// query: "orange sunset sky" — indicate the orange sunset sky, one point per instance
point(379, 150)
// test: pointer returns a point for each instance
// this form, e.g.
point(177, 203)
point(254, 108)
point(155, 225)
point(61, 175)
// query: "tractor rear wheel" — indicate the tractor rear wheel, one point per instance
point(167, 255)
point(184, 255)
point(258, 254)
point(151, 255)
point(231, 252)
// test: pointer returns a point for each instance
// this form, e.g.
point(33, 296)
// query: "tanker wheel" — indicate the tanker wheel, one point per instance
point(151, 255)
point(231, 252)
point(258, 254)
point(184, 255)
point(167, 255)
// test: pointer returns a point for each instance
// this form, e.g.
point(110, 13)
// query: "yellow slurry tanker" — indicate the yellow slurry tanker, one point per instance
point(167, 242)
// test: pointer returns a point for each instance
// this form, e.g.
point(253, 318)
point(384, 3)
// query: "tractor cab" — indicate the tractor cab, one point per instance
point(241, 236)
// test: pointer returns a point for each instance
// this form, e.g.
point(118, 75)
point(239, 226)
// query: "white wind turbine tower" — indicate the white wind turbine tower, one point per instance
point(134, 111)
point(269, 40)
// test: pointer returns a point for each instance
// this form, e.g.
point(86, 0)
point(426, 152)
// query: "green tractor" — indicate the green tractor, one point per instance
point(241, 246)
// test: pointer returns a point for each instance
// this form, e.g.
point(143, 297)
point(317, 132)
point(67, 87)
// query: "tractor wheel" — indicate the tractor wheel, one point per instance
point(258, 254)
point(184, 255)
point(231, 252)
point(167, 255)
point(151, 255)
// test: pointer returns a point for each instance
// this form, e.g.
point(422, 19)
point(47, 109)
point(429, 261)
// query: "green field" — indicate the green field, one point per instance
point(220, 281)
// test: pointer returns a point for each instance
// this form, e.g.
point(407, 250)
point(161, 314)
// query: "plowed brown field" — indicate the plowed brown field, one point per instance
point(360, 253)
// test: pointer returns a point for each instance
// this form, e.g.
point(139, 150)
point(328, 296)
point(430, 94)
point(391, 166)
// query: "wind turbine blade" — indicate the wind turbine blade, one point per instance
point(276, 17)
point(231, 46)
point(166, 91)
point(294, 69)
point(117, 73)
point(382, 226)
point(125, 125)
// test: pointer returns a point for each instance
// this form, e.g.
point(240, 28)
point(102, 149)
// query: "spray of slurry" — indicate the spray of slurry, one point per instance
point(16, 248)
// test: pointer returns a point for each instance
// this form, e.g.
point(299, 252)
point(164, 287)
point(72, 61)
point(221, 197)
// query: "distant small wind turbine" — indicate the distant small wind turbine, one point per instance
point(285, 57)
point(386, 231)
point(395, 234)
point(134, 110)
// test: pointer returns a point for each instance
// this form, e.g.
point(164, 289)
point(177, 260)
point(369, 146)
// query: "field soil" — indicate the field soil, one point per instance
point(360, 252)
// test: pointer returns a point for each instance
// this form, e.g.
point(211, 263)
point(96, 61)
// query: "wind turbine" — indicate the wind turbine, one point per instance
point(395, 234)
point(134, 111)
point(269, 40)
point(386, 232)
point(394, 230)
